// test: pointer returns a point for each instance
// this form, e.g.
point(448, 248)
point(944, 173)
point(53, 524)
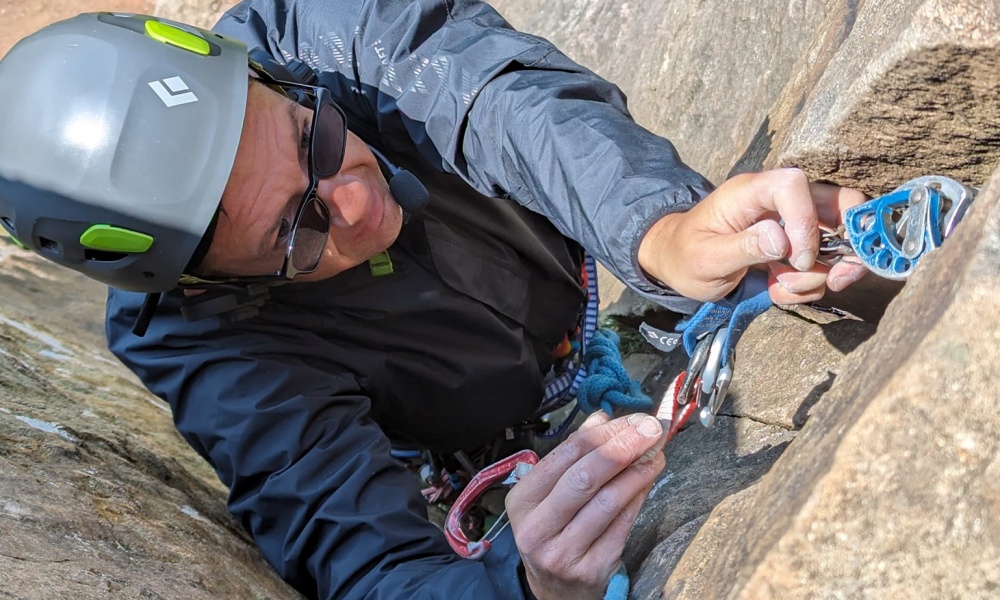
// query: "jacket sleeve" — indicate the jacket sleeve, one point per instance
point(449, 84)
point(309, 473)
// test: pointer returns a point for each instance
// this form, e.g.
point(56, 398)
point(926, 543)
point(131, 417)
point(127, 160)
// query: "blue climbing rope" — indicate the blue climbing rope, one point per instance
point(608, 385)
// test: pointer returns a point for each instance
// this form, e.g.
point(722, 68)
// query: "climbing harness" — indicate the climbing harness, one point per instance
point(562, 389)
point(889, 235)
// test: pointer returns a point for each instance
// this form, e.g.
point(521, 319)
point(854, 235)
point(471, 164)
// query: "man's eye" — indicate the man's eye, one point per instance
point(304, 138)
point(284, 230)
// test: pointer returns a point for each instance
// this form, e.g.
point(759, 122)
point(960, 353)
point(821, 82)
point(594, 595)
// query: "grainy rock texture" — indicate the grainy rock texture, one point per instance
point(99, 497)
point(890, 489)
point(704, 74)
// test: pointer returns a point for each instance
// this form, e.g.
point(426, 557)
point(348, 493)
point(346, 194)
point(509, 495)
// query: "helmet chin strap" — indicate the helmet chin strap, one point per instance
point(145, 314)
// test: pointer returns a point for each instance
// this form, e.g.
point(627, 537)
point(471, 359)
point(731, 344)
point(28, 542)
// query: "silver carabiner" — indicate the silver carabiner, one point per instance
point(959, 195)
point(719, 392)
point(711, 371)
point(695, 367)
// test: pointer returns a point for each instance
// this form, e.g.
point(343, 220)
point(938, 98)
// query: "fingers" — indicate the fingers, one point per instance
point(539, 483)
point(789, 286)
point(614, 507)
point(571, 542)
point(787, 192)
point(761, 243)
point(743, 216)
point(577, 472)
point(751, 219)
point(844, 273)
point(831, 202)
point(594, 568)
point(607, 548)
point(596, 418)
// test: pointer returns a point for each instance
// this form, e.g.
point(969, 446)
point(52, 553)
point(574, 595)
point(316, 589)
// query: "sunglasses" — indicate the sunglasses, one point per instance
point(311, 227)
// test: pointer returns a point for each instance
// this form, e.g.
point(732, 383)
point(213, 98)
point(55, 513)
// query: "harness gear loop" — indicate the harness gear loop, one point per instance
point(562, 389)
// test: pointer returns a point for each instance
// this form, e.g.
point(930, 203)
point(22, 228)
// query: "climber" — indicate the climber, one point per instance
point(425, 179)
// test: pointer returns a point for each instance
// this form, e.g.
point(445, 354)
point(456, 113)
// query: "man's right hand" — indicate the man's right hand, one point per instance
point(572, 513)
point(705, 252)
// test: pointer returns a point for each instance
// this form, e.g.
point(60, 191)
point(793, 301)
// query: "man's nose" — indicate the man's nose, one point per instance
point(347, 200)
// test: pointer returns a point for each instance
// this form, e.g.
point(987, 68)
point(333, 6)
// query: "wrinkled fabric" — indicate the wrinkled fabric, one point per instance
point(522, 151)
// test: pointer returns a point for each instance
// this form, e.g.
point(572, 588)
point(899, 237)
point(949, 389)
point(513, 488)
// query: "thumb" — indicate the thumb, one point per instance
point(763, 242)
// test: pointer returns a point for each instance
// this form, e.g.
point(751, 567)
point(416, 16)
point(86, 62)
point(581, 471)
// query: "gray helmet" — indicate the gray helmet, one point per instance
point(117, 136)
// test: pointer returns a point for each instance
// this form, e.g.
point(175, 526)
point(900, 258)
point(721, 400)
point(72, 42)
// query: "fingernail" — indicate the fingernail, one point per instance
point(648, 426)
point(788, 281)
point(770, 247)
point(804, 260)
point(845, 279)
point(594, 420)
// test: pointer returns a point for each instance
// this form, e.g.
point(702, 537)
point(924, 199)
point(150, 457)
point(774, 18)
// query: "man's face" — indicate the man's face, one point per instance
point(265, 189)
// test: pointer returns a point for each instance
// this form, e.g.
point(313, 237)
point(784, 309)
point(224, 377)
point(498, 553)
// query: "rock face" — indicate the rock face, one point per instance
point(203, 13)
point(18, 19)
point(703, 74)
point(99, 497)
point(890, 488)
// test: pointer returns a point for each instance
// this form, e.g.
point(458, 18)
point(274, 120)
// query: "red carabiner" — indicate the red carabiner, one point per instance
point(672, 409)
point(494, 474)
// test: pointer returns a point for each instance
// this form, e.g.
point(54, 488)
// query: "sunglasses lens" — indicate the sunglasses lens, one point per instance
point(328, 138)
point(310, 236)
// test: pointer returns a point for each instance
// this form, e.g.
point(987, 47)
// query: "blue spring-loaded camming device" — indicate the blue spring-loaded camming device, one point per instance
point(891, 233)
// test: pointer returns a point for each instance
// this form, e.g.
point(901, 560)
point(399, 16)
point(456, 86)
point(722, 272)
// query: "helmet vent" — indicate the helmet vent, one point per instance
point(44, 242)
point(103, 255)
